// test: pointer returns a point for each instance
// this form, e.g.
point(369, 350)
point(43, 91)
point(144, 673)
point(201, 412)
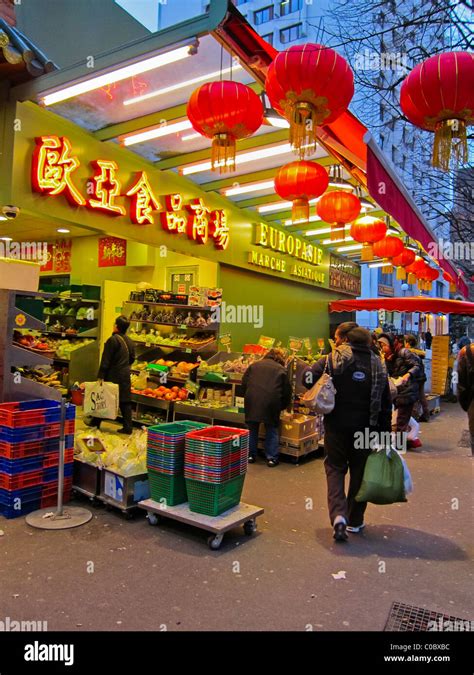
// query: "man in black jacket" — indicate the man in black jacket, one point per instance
point(465, 386)
point(117, 357)
point(267, 391)
point(362, 406)
point(406, 367)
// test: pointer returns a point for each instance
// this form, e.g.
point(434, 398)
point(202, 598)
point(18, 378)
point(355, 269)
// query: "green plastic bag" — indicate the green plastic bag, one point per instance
point(383, 481)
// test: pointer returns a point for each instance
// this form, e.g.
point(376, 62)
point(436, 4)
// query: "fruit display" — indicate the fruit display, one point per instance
point(198, 341)
point(125, 456)
point(236, 366)
point(43, 375)
point(174, 318)
point(37, 342)
point(154, 337)
point(182, 370)
point(163, 393)
point(223, 397)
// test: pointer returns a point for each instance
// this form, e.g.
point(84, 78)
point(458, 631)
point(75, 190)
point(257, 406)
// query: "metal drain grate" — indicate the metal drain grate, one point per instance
point(408, 618)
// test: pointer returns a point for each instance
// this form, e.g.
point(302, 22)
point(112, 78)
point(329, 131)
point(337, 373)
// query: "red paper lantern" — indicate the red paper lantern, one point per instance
point(416, 270)
point(450, 279)
point(299, 182)
point(338, 208)
point(388, 248)
point(429, 275)
point(367, 231)
point(438, 95)
point(224, 111)
point(309, 85)
point(402, 261)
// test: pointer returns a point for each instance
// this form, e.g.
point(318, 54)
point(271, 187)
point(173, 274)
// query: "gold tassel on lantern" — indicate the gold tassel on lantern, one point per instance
point(452, 288)
point(387, 267)
point(411, 278)
point(367, 253)
point(338, 232)
point(401, 273)
point(300, 210)
point(450, 137)
point(223, 153)
point(303, 129)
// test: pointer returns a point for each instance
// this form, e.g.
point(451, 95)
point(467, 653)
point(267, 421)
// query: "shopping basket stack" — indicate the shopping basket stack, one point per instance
point(165, 461)
point(214, 468)
point(29, 455)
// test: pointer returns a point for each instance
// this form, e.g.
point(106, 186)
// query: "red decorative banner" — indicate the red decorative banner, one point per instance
point(112, 252)
point(49, 265)
point(62, 256)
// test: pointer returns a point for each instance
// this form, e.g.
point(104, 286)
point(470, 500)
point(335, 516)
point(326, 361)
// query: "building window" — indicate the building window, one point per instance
point(382, 141)
point(263, 15)
point(385, 279)
point(291, 33)
point(290, 6)
point(268, 38)
point(439, 289)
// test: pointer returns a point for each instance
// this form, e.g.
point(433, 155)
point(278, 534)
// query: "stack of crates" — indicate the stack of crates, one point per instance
point(29, 455)
point(215, 465)
point(165, 461)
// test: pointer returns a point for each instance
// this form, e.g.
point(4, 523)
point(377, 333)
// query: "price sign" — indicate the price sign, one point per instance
point(295, 344)
point(225, 341)
point(267, 342)
point(307, 345)
point(321, 344)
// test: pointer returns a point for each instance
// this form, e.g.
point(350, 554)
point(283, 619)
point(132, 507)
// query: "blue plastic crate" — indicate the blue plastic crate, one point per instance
point(36, 433)
point(50, 475)
point(10, 512)
point(23, 414)
point(25, 464)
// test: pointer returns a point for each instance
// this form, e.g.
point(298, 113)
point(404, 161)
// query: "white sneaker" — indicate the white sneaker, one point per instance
point(349, 528)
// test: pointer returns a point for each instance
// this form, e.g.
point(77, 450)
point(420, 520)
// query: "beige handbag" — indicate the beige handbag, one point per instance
point(322, 396)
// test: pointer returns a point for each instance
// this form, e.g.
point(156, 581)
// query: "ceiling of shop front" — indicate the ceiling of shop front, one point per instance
point(112, 115)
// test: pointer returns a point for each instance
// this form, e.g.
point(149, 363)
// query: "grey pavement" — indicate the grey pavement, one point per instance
point(165, 577)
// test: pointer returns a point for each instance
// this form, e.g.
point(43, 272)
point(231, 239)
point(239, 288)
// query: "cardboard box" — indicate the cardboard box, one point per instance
point(295, 427)
point(19, 275)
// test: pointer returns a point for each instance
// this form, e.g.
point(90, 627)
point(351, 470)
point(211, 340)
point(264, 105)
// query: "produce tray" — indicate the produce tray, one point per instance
point(212, 500)
point(172, 489)
point(32, 413)
point(36, 433)
point(14, 451)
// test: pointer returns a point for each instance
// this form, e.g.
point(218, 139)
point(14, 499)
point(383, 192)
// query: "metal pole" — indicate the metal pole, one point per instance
point(62, 447)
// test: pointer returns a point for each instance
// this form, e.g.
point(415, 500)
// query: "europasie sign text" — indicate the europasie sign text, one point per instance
point(52, 173)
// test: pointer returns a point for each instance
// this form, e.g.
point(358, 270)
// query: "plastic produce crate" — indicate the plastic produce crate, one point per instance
point(24, 449)
point(21, 502)
point(32, 413)
point(214, 499)
point(32, 478)
point(36, 433)
point(172, 488)
point(15, 466)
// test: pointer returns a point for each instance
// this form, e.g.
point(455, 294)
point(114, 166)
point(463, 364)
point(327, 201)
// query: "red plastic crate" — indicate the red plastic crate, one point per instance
point(52, 458)
point(50, 494)
point(51, 489)
point(26, 449)
point(21, 480)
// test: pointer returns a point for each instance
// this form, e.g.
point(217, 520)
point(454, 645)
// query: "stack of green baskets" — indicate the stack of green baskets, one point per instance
point(215, 467)
point(165, 461)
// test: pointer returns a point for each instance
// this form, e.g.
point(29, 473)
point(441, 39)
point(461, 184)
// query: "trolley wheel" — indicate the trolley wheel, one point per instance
point(153, 518)
point(214, 542)
point(129, 515)
point(249, 527)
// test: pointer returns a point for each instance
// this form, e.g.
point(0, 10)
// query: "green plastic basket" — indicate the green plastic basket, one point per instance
point(213, 499)
point(170, 488)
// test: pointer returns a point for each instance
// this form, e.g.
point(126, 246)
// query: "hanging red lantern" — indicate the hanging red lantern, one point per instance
point(402, 261)
point(450, 279)
point(388, 248)
point(430, 274)
point(438, 95)
point(338, 208)
point(299, 182)
point(309, 85)
point(225, 112)
point(416, 270)
point(367, 231)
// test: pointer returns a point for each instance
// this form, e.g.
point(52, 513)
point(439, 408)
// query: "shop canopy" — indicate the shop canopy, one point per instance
point(412, 304)
point(127, 110)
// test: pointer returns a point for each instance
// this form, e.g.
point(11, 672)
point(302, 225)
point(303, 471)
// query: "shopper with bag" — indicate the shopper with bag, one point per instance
point(361, 404)
point(267, 391)
point(465, 386)
point(410, 343)
point(404, 367)
point(117, 357)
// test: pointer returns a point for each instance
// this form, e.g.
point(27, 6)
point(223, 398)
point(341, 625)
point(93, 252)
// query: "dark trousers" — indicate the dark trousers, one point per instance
point(341, 456)
point(404, 412)
point(423, 401)
point(470, 415)
point(126, 411)
point(271, 440)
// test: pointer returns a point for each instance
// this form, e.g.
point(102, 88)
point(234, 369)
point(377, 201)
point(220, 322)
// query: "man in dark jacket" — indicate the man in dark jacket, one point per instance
point(117, 357)
point(404, 366)
point(267, 392)
point(428, 339)
point(465, 386)
point(362, 407)
point(411, 344)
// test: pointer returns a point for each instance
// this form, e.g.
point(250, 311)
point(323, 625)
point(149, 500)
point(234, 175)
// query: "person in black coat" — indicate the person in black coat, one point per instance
point(404, 364)
point(361, 417)
point(465, 386)
point(267, 391)
point(428, 339)
point(117, 357)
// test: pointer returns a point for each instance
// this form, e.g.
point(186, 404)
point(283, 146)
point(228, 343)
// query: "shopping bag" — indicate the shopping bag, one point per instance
point(101, 400)
point(383, 481)
point(322, 396)
point(408, 483)
point(413, 429)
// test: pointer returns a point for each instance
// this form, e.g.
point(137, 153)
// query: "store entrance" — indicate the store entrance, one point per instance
point(180, 279)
